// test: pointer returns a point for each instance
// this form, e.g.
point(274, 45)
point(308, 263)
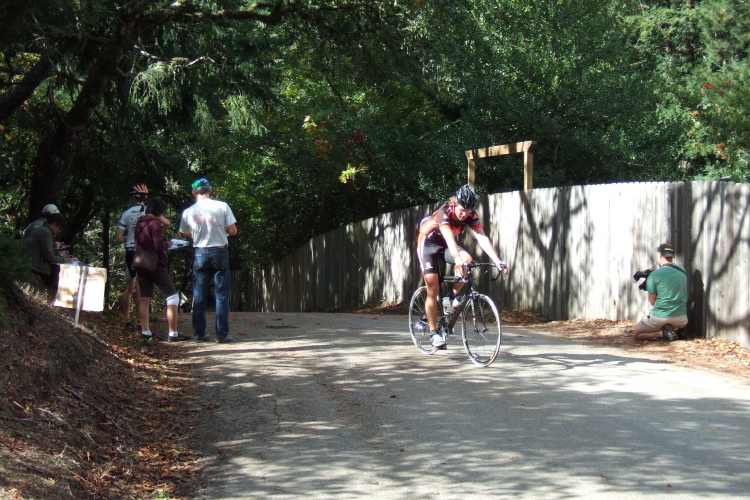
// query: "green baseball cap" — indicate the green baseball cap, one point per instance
point(202, 182)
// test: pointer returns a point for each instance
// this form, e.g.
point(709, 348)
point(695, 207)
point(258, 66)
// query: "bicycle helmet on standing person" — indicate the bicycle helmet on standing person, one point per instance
point(467, 197)
point(139, 191)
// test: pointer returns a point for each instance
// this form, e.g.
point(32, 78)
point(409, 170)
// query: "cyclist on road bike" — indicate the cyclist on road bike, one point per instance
point(437, 234)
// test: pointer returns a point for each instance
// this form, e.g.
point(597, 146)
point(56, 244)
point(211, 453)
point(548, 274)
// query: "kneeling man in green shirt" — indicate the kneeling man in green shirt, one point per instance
point(667, 293)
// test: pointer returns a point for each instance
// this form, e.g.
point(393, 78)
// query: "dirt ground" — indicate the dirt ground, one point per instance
point(90, 412)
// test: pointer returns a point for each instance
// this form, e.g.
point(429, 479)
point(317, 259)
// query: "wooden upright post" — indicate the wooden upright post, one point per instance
point(528, 169)
point(472, 167)
point(525, 147)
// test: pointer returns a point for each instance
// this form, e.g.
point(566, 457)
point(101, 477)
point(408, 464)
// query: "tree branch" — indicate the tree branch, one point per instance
point(36, 75)
point(276, 12)
point(174, 59)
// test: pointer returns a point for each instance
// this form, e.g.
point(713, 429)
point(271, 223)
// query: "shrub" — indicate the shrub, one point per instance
point(15, 265)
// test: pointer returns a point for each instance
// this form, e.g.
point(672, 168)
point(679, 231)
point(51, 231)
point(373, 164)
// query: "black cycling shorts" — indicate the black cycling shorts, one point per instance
point(129, 271)
point(431, 255)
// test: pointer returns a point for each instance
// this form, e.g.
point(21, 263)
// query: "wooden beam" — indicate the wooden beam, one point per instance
point(505, 149)
point(525, 147)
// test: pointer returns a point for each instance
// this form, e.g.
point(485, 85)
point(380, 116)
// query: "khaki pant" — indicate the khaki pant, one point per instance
point(650, 323)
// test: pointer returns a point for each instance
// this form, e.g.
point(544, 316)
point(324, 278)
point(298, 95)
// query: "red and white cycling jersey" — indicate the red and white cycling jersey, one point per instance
point(445, 216)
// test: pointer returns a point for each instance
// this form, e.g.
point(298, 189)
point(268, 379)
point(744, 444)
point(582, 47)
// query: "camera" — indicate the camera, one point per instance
point(644, 276)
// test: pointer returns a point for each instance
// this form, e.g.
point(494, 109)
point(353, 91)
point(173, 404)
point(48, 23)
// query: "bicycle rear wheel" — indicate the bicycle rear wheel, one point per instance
point(481, 330)
point(418, 325)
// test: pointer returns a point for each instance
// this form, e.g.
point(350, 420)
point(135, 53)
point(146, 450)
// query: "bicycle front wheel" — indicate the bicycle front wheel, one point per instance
point(481, 330)
point(418, 325)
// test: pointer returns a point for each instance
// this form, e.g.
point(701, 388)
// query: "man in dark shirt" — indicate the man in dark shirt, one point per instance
point(41, 249)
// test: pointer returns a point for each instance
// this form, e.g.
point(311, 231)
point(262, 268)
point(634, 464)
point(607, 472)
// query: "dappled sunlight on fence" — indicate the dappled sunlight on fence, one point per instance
point(572, 253)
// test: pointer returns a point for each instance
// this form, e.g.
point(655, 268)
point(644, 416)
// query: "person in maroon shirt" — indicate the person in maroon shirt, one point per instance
point(149, 235)
point(437, 240)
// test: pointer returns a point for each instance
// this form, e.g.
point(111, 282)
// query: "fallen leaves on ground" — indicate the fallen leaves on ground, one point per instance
point(90, 412)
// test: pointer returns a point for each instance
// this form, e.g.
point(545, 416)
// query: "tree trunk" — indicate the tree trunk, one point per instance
point(11, 15)
point(51, 166)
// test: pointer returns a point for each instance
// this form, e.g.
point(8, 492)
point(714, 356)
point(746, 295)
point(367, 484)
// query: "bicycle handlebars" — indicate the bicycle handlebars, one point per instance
point(473, 265)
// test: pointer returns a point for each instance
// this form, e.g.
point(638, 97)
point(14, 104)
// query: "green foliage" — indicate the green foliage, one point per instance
point(343, 110)
point(699, 59)
point(723, 79)
point(15, 264)
point(558, 73)
point(159, 85)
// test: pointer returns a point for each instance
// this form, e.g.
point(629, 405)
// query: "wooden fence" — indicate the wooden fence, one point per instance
point(572, 253)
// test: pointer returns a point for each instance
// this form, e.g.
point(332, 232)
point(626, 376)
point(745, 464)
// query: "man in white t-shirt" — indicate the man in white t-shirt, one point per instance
point(125, 227)
point(210, 222)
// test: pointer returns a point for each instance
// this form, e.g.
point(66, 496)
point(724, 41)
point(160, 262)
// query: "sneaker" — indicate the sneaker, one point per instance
point(177, 338)
point(668, 333)
point(437, 340)
point(130, 324)
point(146, 337)
point(225, 340)
point(201, 339)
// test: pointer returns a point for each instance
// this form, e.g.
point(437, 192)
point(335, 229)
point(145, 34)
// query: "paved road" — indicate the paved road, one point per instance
point(344, 406)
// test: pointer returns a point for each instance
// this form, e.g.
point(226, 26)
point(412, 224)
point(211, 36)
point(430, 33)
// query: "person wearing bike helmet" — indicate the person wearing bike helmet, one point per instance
point(437, 240)
point(138, 195)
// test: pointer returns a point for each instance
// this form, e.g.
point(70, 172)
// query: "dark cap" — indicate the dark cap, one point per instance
point(666, 250)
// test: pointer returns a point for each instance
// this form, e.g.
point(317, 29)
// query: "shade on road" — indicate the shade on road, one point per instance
point(344, 406)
